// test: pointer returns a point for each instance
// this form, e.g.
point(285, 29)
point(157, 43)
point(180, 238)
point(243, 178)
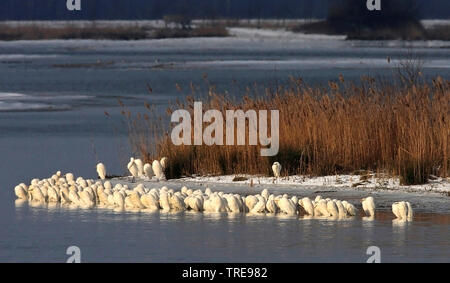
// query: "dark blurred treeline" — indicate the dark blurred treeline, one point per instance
point(201, 9)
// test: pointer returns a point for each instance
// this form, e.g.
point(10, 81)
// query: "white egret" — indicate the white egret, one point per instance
point(101, 171)
point(140, 167)
point(21, 193)
point(132, 167)
point(368, 205)
point(287, 206)
point(158, 170)
point(271, 205)
point(410, 211)
point(307, 205)
point(148, 170)
point(276, 168)
point(332, 208)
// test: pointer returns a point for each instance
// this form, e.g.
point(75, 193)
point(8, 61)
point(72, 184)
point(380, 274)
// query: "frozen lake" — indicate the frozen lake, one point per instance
point(53, 95)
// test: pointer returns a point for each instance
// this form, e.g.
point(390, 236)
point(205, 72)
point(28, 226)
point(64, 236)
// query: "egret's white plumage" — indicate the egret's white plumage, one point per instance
point(132, 167)
point(307, 205)
point(164, 201)
point(64, 196)
point(287, 206)
point(101, 171)
point(265, 194)
point(271, 206)
point(395, 210)
point(107, 185)
point(148, 170)
point(53, 196)
point(350, 208)
point(332, 208)
point(322, 208)
point(69, 177)
point(150, 201)
point(140, 167)
point(158, 170)
point(368, 205)
point(260, 206)
point(276, 168)
point(119, 199)
point(410, 215)
point(341, 209)
point(135, 199)
point(233, 203)
point(74, 197)
point(250, 202)
point(402, 211)
point(21, 193)
point(177, 203)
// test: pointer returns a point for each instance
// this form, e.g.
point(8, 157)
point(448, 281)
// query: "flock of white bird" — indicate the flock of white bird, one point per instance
point(67, 190)
point(138, 169)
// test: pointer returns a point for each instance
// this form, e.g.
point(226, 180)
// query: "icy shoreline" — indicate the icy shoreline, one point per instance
point(437, 185)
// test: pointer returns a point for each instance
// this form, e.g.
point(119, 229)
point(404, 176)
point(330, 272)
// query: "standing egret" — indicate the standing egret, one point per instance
point(148, 170)
point(271, 205)
point(135, 198)
point(368, 206)
point(140, 167)
point(250, 202)
point(332, 208)
point(196, 203)
point(396, 210)
point(260, 206)
point(410, 211)
point(101, 171)
point(53, 196)
point(21, 193)
point(307, 205)
point(69, 177)
point(119, 199)
point(287, 206)
point(158, 170)
point(150, 201)
point(232, 203)
point(64, 195)
point(350, 208)
point(322, 208)
point(341, 209)
point(132, 168)
point(107, 185)
point(276, 168)
point(164, 201)
point(177, 203)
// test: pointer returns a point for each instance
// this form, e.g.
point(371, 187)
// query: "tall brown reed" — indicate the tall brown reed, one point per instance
point(400, 129)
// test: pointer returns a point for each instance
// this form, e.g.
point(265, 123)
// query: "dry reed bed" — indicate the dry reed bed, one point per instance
point(399, 129)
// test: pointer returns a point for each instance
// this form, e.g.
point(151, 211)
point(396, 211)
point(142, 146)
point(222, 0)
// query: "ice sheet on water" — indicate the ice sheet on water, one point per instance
point(21, 106)
point(10, 101)
point(6, 57)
